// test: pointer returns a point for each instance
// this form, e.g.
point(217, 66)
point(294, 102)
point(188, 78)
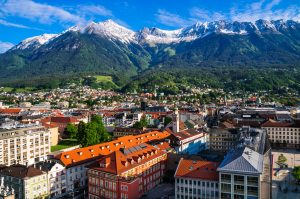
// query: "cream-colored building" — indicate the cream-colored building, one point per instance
point(283, 133)
point(24, 146)
point(27, 182)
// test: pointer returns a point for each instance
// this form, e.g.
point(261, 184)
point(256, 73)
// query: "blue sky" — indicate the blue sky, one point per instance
point(20, 19)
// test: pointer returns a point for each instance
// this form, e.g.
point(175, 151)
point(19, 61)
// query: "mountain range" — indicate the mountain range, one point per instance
point(107, 48)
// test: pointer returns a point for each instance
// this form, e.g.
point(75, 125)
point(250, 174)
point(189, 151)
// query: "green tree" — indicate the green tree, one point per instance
point(81, 132)
point(141, 124)
point(281, 159)
point(167, 121)
point(296, 173)
point(71, 130)
point(91, 135)
point(104, 136)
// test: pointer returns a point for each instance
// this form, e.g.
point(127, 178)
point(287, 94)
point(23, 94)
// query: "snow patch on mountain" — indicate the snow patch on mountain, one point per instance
point(35, 42)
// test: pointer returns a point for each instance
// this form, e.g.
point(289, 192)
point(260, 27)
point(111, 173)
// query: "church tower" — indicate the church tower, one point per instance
point(175, 121)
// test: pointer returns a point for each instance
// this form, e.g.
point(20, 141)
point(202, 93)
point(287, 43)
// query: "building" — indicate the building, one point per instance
point(63, 104)
point(75, 161)
point(60, 122)
point(127, 173)
point(24, 145)
point(27, 182)
point(56, 175)
point(196, 179)
point(286, 134)
point(184, 140)
point(190, 141)
point(245, 171)
point(221, 139)
point(53, 132)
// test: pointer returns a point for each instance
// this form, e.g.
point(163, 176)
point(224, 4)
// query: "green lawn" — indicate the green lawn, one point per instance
point(102, 78)
point(9, 89)
point(64, 144)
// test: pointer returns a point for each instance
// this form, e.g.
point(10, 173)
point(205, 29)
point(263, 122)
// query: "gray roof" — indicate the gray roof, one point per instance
point(242, 160)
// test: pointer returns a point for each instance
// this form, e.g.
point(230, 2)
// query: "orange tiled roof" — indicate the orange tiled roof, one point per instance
point(10, 111)
point(200, 169)
point(119, 162)
point(80, 155)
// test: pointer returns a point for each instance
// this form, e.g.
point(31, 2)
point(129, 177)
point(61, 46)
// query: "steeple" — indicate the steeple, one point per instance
point(175, 121)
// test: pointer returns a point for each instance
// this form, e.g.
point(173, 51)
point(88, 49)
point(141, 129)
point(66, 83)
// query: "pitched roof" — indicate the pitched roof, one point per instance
point(125, 159)
point(10, 111)
point(197, 169)
point(64, 119)
point(21, 171)
point(185, 134)
point(273, 123)
point(78, 156)
point(243, 160)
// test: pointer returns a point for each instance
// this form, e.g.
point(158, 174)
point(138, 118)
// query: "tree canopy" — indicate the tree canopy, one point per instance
point(93, 132)
point(141, 124)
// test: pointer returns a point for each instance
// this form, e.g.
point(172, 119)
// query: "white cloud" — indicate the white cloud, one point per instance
point(43, 13)
point(6, 23)
point(95, 10)
point(262, 9)
point(170, 19)
point(204, 15)
point(4, 46)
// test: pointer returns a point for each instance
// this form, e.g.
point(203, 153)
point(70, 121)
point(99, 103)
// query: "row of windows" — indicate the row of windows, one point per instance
point(197, 182)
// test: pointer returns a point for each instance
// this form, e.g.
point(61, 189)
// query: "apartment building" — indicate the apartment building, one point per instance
point(56, 177)
point(221, 139)
point(75, 161)
point(283, 133)
point(24, 146)
point(196, 179)
point(245, 171)
point(127, 173)
point(27, 182)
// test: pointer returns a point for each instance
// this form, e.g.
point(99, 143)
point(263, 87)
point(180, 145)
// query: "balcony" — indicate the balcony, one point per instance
point(226, 190)
point(239, 182)
point(239, 191)
point(226, 180)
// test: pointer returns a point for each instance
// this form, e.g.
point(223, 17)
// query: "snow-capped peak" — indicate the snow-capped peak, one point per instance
point(116, 32)
point(110, 29)
point(35, 42)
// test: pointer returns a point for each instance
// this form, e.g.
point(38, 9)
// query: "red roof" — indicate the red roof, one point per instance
point(273, 123)
point(198, 169)
point(64, 119)
point(119, 162)
point(75, 156)
point(10, 111)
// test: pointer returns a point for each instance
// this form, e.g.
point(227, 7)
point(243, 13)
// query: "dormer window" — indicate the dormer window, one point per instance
point(102, 147)
point(107, 146)
point(79, 153)
point(91, 150)
point(67, 156)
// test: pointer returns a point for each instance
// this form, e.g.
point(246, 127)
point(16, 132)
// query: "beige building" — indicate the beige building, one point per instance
point(283, 133)
point(27, 182)
point(24, 146)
